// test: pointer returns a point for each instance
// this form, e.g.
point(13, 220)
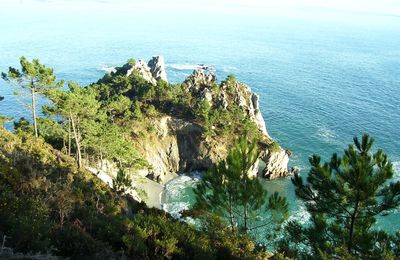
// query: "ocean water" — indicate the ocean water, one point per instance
point(322, 79)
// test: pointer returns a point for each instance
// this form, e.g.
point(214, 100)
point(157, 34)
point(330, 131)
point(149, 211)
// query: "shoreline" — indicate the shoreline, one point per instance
point(154, 190)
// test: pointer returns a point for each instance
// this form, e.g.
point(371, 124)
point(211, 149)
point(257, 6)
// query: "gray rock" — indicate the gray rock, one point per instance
point(199, 79)
point(157, 68)
point(276, 164)
point(141, 68)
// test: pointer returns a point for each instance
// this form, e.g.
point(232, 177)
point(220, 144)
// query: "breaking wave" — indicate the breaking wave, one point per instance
point(178, 195)
point(190, 67)
point(300, 215)
point(106, 68)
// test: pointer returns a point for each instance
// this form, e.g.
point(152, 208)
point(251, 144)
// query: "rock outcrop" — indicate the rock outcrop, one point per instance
point(273, 164)
point(179, 146)
point(157, 68)
point(202, 83)
point(152, 71)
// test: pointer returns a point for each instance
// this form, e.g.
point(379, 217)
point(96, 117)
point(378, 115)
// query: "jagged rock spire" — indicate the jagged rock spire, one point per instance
point(152, 71)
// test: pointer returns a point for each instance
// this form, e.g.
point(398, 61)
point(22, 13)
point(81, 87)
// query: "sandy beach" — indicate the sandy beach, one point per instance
point(153, 190)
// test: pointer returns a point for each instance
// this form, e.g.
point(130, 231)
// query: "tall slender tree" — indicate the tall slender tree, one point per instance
point(344, 197)
point(34, 77)
point(229, 191)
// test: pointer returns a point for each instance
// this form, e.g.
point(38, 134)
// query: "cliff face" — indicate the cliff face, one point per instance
point(179, 146)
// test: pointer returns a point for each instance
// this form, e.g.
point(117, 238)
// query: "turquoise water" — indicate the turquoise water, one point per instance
point(321, 80)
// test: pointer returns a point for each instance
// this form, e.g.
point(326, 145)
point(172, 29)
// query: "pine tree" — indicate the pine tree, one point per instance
point(229, 191)
point(79, 107)
point(34, 77)
point(343, 197)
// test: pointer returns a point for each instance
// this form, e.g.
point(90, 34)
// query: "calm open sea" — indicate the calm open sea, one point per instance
point(322, 80)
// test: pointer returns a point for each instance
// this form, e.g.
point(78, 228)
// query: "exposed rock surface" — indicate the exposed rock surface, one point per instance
point(152, 71)
point(203, 83)
point(178, 146)
point(274, 162)
point(157, 68)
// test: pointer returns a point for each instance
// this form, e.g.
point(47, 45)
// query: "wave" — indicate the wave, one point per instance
point(326, 134)
point(190, 67)
point(230, 69)
point(300, 215)
point(176, 196)
point(106, 68)
point(175, 208)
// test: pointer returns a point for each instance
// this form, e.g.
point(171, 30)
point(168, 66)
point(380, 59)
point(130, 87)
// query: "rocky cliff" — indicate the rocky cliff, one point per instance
point(178, 145)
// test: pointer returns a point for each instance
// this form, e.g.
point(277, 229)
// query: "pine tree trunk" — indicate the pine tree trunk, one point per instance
point(69, 136)
point(231, 215)
point(34, 110)
point(351, 231)
point(76, 137)
point(245, 218)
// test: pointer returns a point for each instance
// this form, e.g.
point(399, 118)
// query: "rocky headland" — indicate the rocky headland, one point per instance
point(179, 145)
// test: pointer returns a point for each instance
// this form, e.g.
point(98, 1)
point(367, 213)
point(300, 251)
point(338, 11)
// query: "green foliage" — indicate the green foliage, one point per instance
point(53, 132)
point(96, 131)
point(149, 101)
point(274, 147)
point(34, 77)
point(344, 196)
point(23, 125)
point(228, 190)
point(122, 183)
point(48, 205)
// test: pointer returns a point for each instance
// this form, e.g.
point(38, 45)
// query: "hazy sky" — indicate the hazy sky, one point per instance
point(256, 7)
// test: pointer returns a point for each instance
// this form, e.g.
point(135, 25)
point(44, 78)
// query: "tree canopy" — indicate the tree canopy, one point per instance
point(34, 77)
point(230, 191)
point(344, 196)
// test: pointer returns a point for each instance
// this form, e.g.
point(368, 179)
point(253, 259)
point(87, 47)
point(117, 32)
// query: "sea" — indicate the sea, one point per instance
point(323, 76)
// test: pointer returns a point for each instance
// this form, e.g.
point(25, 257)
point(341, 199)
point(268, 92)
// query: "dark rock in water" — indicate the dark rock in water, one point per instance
point(1, 98)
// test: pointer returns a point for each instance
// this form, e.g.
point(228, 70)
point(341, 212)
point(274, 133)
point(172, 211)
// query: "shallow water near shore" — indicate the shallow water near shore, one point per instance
point(321, 81)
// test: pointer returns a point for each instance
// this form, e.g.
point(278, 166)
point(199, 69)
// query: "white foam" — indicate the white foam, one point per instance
point(106, 68)
point(326, 134)
point(183, 66)
point(300, 215)
point(189, 66)
point(173, 196)
point(229, 69)
point(175, 208)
